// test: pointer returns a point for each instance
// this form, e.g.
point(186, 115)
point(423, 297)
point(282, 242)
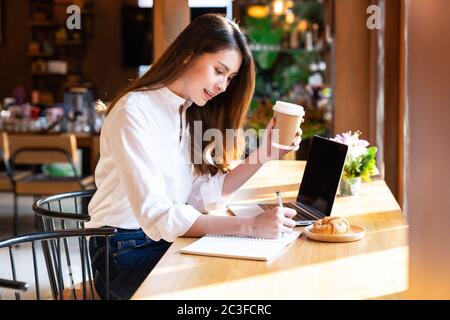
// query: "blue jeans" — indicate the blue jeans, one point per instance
point(132, 256)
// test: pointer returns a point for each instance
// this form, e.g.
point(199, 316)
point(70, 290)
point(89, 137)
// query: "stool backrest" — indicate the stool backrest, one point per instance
point(4, 149)
point(63, 211)
point(57, 209)
point(61, 271)
point(42, 148)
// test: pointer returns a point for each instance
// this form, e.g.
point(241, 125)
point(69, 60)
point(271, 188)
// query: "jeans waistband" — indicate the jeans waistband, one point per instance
point(122, 234)
point(119, 230)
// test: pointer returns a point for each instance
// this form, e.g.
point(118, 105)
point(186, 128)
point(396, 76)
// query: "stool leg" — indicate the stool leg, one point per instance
point(36, 217)
point(16, 216)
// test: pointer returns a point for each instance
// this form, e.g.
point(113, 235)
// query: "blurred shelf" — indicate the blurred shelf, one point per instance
point(83, 9)
point(47, 22)
point(41, 55)
point(69, 43)
point(44, 74)
point(42, 23)
point(83, 85)
point(290, 50)
point(68, 2)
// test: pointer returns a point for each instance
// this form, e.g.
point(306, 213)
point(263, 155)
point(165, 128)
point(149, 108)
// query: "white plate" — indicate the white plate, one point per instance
point(356, 233)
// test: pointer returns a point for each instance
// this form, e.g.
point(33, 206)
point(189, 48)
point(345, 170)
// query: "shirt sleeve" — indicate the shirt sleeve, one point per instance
point(206, 192)
point(133, 155)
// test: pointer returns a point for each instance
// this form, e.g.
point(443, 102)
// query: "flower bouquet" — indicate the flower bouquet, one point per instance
point(359, 164)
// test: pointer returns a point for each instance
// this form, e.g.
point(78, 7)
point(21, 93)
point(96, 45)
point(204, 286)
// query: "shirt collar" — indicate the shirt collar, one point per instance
point(174, 100)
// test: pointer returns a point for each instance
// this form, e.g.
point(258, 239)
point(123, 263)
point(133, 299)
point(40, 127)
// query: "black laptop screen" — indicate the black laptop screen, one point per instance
point(322, 174)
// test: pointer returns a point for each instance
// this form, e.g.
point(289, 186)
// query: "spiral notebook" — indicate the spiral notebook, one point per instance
point(240, 247)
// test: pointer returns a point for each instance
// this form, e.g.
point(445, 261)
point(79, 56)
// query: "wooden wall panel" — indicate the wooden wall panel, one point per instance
point(14, 63)
point(352, 68)
point(401, 110)
point(391, 94)
point(170, 17)
point(427, 202)
point(103, 60)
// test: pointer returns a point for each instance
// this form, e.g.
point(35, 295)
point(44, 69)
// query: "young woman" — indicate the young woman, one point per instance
point(147, 186)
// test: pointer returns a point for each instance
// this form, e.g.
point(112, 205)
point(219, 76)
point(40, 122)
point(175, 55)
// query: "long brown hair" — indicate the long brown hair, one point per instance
point(208, 33)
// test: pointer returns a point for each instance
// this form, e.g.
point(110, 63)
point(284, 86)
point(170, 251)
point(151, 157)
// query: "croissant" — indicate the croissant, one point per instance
point(331, 225)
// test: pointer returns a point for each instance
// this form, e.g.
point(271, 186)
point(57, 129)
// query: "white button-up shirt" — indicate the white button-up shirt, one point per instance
point(144, 176)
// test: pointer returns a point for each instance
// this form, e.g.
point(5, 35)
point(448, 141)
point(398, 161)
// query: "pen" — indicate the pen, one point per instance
point(280, 202)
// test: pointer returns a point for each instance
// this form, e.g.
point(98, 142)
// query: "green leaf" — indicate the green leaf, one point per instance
point(254, 104)
point(363, 166)
point(260, 88)
point(262, 31)
point(310, 10)
point(372, 151)
point(365, 177)
point(265, 59)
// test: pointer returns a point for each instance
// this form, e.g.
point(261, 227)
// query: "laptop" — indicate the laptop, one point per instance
point(318, 188)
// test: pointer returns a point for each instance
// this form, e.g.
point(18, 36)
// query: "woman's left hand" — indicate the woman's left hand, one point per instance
point(267, 152)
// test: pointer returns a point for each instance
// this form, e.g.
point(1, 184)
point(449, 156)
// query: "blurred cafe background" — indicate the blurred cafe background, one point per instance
point(378, 66)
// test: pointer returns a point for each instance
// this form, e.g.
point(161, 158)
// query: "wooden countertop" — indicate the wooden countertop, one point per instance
point(374, 267)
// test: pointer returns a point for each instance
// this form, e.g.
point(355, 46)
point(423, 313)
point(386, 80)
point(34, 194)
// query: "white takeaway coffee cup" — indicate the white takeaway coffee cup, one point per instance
point(288, 117)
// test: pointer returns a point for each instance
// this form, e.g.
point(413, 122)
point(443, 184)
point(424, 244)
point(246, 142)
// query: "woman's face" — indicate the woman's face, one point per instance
point(210, 74)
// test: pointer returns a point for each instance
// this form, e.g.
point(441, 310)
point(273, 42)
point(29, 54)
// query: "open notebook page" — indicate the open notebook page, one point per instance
point(240, 247)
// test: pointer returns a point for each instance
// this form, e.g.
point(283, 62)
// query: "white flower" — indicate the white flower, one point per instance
point(356, 147)
point(356, 151)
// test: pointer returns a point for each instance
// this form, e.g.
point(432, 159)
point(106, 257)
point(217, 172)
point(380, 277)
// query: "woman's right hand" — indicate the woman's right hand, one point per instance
point(268, 152)
point(273, 222)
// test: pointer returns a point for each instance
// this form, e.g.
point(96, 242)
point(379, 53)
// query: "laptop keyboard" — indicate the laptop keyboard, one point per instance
point(301, 213)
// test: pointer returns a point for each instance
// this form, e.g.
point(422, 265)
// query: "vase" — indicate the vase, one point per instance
point(350, 187)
